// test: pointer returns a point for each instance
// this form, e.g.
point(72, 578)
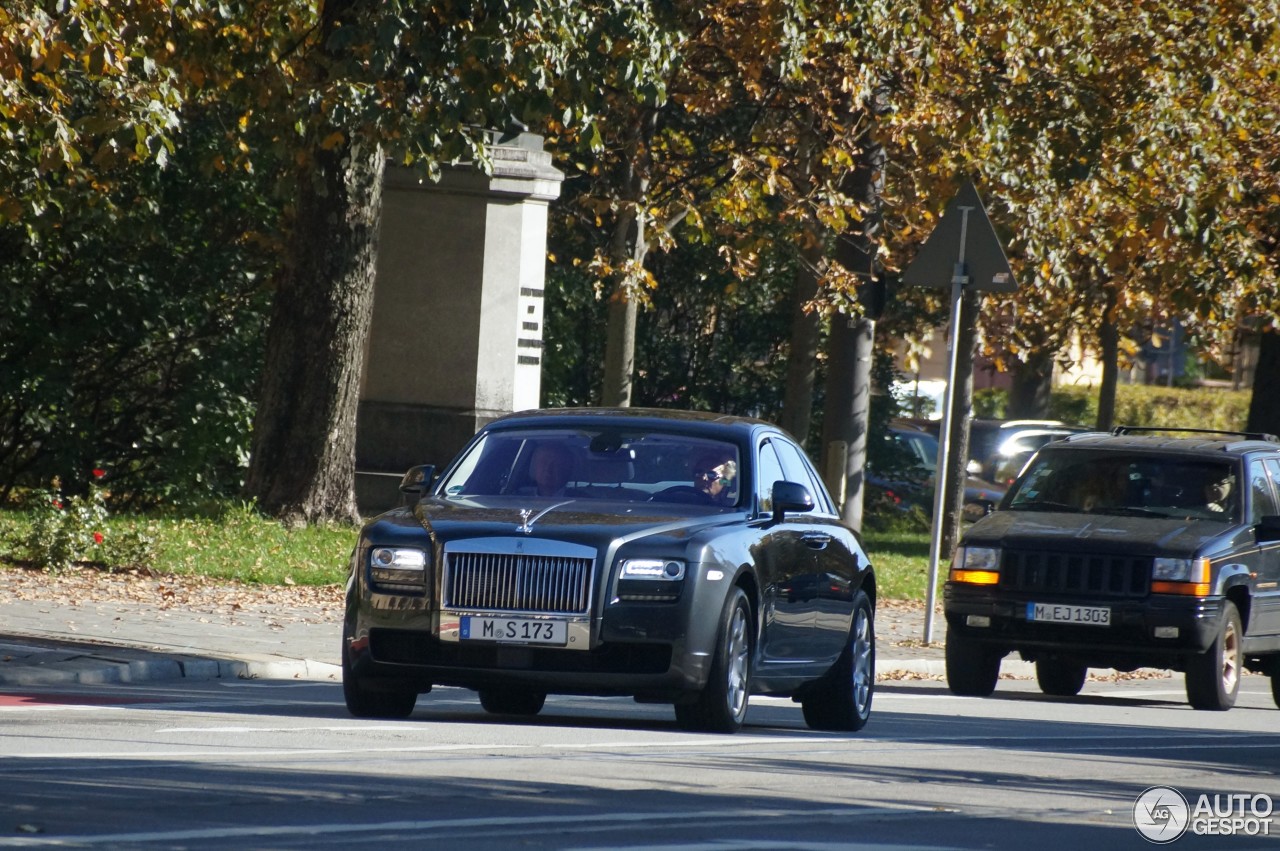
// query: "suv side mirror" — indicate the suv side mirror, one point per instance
point(417, 481)
point(790, 496)
point(1268, 528)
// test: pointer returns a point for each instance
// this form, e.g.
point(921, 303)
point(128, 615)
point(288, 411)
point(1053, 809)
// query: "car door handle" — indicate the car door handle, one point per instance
point(816, 540)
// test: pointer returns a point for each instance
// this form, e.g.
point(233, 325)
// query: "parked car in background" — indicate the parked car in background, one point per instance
point(997, 447)
point(914, 467)
point(685, 558)
point(1138, 548)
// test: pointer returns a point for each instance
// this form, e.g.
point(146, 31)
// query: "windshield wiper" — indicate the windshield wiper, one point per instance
point(1044, 506)
point(1132, 511)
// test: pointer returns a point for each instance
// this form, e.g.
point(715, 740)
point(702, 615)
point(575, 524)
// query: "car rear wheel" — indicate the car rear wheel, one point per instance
point(363, 702)
point(1213, 677)
point(1275, 687)
point(721, 706)
point(972, 669)
point(512, 701)
point(1060, 677)
point(842, 701)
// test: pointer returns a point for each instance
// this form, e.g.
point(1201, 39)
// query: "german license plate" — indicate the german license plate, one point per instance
point(1058, 613)
point(513, 630)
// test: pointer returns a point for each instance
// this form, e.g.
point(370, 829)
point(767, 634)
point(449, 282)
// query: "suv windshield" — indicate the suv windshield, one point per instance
point(1110, 483)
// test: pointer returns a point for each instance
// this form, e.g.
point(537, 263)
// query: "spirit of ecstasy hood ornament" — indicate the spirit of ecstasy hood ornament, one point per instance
point(528, 518)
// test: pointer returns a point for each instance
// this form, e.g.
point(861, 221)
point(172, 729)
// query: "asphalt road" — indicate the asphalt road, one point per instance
point(279, 764)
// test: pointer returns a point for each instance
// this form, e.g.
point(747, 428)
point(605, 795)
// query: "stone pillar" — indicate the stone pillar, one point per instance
point(456, 338)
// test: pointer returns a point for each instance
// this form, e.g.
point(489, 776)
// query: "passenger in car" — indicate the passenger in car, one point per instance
point(1217, 494)
point(551, 468)
point(713, 476)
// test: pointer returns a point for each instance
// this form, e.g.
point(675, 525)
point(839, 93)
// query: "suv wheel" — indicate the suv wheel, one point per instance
point(972, 669)
point(1213, 677)
point(512, 701)
point(1060, 677)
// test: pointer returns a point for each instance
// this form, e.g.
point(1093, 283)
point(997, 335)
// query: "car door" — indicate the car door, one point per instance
point(833, 566)
point(1265, 484)
point(784, 566)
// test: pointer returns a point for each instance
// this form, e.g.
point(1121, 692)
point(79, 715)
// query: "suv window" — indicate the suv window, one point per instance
point(1264, 500)
point(1112, 483)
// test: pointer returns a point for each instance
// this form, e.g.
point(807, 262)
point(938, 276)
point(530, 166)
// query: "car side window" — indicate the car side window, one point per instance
point(1273, 472)
point(768, 471)
point(1264, 500)
point(793, 463)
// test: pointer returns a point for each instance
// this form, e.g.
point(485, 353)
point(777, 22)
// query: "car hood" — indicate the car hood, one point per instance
point(590, 522)
point(1072, 532)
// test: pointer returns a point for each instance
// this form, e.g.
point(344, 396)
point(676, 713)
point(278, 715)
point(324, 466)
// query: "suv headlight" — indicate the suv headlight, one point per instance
point(650, 579)
point(976, 566)
point(398, 568)
point(1189, 576)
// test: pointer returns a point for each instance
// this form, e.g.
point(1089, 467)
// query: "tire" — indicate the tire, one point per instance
point(512, 701)
point(1060, 677)
point(842, 701)
point(1275, 688)
point(1213, 677)
point(369, 703)
point(721, 706)
point(972, 669)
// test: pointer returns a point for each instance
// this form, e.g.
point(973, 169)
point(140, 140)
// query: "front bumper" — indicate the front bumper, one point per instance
point(1130, 641)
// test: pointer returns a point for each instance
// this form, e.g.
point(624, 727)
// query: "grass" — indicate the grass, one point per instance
point(241, 545)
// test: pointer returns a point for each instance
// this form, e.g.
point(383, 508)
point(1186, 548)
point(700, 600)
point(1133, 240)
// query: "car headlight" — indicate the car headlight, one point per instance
point(1188, 576)
point(650, 579)
point(976, 566)
point(398, 568)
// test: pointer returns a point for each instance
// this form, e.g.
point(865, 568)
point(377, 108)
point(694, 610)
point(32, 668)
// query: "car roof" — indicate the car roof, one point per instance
point(1186, 440)
point(704, 421)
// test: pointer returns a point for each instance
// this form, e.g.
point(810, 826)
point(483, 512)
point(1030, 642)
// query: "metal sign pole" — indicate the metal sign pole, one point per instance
point(958, 279)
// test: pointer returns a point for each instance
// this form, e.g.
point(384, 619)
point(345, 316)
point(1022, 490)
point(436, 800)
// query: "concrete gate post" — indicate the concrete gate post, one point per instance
point(456, 338)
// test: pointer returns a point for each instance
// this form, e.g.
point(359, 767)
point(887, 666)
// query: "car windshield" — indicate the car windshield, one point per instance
point(1136, 485)
point(611, 464)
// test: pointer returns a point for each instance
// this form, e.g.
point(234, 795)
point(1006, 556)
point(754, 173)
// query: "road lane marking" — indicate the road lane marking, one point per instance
point(562, 822)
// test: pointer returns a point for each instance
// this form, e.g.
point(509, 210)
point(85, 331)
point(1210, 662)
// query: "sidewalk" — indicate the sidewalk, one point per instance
point(282, 633)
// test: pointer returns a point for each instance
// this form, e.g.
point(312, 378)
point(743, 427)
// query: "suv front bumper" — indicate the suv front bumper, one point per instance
point(1187, 626)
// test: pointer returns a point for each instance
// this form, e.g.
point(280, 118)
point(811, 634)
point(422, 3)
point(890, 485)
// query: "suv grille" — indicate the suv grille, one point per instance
point(1060, 573)
point(517, 582)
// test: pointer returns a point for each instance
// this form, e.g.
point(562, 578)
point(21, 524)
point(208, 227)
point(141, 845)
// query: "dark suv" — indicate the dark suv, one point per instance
point(1138, 548)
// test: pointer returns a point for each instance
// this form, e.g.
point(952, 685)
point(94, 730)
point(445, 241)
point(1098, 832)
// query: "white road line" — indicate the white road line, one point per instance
point(597, 821)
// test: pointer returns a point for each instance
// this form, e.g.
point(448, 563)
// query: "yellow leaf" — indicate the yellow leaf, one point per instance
point(332, 141)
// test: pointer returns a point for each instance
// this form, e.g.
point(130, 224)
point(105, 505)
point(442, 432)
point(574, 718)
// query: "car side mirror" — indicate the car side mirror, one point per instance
point(417, 481)
point(790, 496)
point(1268, 528)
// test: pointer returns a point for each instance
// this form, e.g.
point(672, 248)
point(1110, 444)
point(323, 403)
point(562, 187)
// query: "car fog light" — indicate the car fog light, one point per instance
point(977, 620)
point(1166, 632)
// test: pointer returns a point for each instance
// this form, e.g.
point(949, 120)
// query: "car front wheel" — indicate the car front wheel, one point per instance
point(721, 706)
point(972, 669)
point(842, 701)
point(1213, 677)
point(363, 702)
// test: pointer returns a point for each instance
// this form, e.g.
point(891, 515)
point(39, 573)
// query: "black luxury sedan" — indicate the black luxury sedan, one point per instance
point(1143, 547)
point(674, 557)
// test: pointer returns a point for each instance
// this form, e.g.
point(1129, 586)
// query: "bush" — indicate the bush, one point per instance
point(63, 531)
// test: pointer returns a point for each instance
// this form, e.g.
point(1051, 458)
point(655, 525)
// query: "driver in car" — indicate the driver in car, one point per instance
point(713, 476)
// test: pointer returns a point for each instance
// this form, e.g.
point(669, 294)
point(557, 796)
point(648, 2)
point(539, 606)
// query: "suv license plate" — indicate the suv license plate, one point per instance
point(1057, 613)
point(513, 630)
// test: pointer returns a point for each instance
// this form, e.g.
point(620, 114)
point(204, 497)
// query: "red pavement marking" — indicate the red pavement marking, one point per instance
point(68, 700)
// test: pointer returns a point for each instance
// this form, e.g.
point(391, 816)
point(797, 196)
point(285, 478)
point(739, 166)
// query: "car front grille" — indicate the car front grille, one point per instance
point(517, 582)
point(1087, 574)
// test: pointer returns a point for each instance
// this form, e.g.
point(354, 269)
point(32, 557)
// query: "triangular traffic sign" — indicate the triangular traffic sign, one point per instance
point(983, 257)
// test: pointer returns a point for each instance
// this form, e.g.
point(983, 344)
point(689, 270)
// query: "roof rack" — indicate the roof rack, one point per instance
point(1245, 435)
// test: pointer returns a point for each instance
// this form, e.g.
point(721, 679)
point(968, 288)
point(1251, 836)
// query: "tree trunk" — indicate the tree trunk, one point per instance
point(302, 467)
point(845, 424)
point(802, 356)
point(1029, 387)
point(1264, 404)
point(1109, 345)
